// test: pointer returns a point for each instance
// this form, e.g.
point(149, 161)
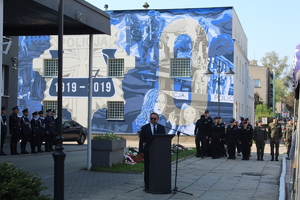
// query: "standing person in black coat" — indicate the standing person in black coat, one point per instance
point(3, 129)
point(246, 136)
point(15, 130)
point(42, 130)
point(50, 130)
point(208, 121)
point(35, 132)
point(222, 136)
point(25, 131)
point(231, 138)
point(145, 135)
point(215, 138)
point(201, 136)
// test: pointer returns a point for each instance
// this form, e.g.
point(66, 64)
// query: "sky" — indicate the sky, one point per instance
point(270, 25)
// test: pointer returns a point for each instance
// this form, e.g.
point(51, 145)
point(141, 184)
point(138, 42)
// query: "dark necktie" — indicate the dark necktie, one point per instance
point(154, 129)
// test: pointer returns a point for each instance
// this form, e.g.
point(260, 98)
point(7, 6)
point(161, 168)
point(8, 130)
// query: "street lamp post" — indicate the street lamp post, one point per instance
point(220, 65)
point(59, 155)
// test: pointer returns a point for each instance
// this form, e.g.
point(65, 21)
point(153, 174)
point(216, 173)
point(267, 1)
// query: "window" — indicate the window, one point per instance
point(180, 67)
point(50, 105)
point(256, 82)
point(115, 67)
point(115, 110)
point(50, 67)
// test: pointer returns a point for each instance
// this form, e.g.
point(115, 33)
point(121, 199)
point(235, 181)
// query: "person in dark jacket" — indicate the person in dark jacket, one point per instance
point(25, 131)
point(274, 135)
point(215, 138)
point(50, 131)
point(15, 130)
point(35, 132)
point(201, 136)
point(231, 136)
point(260, 138)
point(42, 130)
point(208, 121)
point(222, 151)
point(246, 135)
point(3, 129)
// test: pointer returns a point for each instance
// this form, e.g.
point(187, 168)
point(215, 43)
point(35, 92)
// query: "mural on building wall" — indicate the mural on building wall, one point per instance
point(147, 40)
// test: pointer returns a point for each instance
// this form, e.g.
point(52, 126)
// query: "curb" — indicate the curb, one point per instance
point(282, 180)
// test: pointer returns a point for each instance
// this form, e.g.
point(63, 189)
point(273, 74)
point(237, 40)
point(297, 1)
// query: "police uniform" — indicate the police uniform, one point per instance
point(231, 136)
point(35, 132)
point(25, 131)
point(201, 137)
point(3, 130)
point(208, 121)
point(274, 134)
point(288, 134)
point(246, 135)
point(260, 138)
point(42, 130)
point(50, 131)
point(215, 137)
point(222, 150)
point(14, 129)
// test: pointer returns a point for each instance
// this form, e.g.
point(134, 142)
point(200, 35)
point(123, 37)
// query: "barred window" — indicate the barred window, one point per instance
point(50, 105)
point(115, 67)
point(115, 110)
point(50, 67)
point(180, 67)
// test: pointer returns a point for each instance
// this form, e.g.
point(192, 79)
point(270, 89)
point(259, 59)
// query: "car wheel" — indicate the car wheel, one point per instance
point(81, 139)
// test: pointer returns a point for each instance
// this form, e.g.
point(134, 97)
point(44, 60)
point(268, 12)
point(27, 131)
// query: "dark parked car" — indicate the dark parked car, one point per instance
point(73, 131)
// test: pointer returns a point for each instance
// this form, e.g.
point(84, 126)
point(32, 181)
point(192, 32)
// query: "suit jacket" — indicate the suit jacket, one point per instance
point(146, 134)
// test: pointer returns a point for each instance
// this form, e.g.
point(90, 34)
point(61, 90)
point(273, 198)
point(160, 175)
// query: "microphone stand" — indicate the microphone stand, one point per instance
point(175, 189)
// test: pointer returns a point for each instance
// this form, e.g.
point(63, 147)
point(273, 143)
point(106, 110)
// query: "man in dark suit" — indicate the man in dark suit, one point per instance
point(145, 135)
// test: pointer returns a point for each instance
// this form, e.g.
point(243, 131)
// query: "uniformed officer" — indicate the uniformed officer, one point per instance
point(288, 134)
point(14, 129)
point(260, 138)
point(201, 136)
point(222, 151)
point(208, 121)
point(25, 131)
point(275, 135)
point(50, 130)
point(238, 144)
point(3, 129)
point(35, 132)
point(246, 135)
point(215, 138)
point(42, 130)
point(231, 136)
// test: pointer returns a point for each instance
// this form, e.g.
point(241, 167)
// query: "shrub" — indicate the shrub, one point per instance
point(19, 184)
point(107, 136)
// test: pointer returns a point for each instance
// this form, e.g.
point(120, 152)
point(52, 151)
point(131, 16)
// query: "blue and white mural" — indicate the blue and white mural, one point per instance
point(147, 40)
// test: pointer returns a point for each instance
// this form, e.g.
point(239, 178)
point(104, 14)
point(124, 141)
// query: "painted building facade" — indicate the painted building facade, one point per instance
point(153, 61)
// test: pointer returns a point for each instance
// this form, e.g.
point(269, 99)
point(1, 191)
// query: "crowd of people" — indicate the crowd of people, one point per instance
point(213, 138)
point(36, 131)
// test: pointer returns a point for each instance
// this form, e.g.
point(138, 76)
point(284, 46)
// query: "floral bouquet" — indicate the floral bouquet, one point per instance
point(132, 157)
point(178, 147)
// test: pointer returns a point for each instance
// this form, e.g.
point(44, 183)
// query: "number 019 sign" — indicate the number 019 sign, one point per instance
point(78, 87)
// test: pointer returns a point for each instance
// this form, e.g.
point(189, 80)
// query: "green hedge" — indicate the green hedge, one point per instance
point(19, 184)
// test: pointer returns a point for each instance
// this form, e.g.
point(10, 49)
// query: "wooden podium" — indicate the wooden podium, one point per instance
point(160, 164)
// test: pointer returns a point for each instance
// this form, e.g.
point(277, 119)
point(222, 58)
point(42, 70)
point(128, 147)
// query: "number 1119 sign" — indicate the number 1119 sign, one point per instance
point(78, 87)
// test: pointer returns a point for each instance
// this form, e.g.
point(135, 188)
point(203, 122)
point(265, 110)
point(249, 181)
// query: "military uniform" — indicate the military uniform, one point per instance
point(231, 136)
point(3, 131)
point(25, 131)
point(201, 137)
point(50, 131)
point(35, 132)
point(42, 130)
point(288, 134)
point(215, 137)
point(274, 134)
point(208, 121)
point(260, 137)
point(15, 131)
point(246, 135)
point(222, 150)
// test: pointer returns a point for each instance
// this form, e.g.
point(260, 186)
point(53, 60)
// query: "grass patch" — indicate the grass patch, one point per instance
point(139, 167)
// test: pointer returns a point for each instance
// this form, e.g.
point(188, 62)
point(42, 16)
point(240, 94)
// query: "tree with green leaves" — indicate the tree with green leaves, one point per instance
point(272, 61)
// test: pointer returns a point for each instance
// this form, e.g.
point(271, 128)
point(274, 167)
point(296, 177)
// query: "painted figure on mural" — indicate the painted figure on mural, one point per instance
point(183, 46)
point(154, 101)
point(199, 79)
point(187, 119)
point(155, 24)
point(134, 33)
point(23, 93)
point(164, 45)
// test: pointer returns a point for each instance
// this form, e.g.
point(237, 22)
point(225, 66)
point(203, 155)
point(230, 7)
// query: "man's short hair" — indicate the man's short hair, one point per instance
point(155, 114)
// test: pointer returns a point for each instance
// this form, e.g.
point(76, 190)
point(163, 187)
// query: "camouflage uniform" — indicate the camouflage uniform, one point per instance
point(259, 137)
point(288, 134)
point(275, 134)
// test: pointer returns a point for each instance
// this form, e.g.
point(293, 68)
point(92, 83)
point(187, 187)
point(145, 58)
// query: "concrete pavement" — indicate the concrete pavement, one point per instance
point(204, 178)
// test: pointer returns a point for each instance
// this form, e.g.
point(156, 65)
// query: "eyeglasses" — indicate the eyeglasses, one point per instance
point(153, 118)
